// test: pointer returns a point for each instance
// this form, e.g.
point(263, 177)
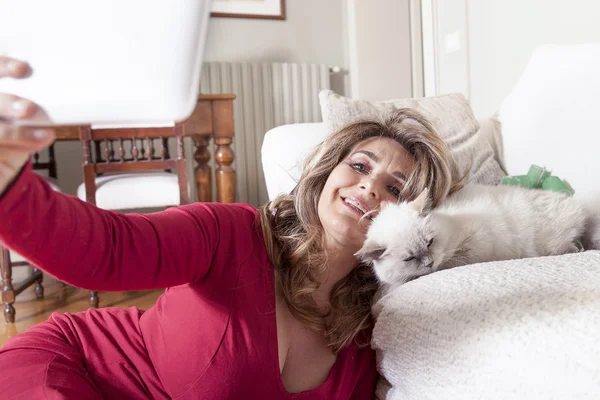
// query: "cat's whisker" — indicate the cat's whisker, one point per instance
point(368, 215)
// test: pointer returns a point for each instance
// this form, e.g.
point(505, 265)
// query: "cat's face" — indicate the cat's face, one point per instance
point(402, 243)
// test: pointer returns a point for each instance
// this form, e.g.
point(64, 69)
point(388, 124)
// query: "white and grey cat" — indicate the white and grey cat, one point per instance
point(476, 224)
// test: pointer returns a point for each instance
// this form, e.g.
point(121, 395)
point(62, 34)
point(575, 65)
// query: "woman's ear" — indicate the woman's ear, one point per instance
point(422, 204)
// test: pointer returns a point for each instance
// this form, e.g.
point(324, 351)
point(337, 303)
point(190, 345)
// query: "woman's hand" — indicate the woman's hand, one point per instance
point(17, 143)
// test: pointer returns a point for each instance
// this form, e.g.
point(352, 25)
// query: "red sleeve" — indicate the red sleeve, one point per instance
point(92, 248)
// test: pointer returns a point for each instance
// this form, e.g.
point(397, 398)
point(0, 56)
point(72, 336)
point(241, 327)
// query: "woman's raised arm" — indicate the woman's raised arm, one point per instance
point(92, 248)
point(79, 243)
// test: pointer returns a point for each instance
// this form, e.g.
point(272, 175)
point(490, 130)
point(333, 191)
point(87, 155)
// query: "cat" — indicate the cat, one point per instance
point(478, 223)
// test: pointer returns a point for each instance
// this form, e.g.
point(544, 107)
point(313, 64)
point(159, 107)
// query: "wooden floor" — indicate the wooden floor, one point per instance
point(30, 311)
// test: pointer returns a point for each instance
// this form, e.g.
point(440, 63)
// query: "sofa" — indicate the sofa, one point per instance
point(519, 329)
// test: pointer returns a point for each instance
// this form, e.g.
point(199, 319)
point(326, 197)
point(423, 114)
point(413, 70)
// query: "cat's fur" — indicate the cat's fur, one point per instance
point(476, 224)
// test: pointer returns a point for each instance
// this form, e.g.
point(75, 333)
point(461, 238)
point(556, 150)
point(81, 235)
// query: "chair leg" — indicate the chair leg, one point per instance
point(39, 288)
point(8, 292)
point(62, 295)
point(9, 313)
point(94, 300)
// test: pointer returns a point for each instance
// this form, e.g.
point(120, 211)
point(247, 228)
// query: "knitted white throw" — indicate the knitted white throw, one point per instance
point(522, 329)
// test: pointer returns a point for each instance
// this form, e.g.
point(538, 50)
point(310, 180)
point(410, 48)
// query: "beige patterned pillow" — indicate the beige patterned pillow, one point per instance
point(451, 114)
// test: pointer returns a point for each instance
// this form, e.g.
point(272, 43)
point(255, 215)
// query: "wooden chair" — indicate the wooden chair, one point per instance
point(9, 259)
point(130, 168)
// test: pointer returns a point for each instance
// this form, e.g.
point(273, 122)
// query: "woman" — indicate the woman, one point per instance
point(267, 303)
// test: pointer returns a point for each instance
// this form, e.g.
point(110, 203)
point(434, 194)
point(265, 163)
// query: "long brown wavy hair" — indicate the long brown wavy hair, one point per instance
point(294, 236)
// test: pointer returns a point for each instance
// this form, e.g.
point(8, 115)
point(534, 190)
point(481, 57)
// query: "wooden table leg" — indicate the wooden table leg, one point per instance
point(39, 287)
point(202, 171)
point(93, 300)
point(8, 292)
point(225, 174)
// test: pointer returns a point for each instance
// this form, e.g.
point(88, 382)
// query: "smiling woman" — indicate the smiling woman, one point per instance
point(319, 226)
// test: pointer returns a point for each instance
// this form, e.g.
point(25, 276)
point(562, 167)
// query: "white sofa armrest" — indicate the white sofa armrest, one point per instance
point(283, 151)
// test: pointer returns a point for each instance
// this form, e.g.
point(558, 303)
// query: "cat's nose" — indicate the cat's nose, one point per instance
point(427, 261)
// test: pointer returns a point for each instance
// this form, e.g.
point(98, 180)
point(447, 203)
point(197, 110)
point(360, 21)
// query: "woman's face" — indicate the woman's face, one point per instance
point(374, 171)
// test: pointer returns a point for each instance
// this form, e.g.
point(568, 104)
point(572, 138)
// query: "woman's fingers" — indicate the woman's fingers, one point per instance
point(9, 67)
point(16, 139)
point(17, 142)
point(14, 134)
point(14, 107)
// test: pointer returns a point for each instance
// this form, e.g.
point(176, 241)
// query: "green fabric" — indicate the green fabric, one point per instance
point(539, 178)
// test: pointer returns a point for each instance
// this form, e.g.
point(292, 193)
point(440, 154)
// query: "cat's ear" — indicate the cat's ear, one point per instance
point(422, 204)
point(369, 252)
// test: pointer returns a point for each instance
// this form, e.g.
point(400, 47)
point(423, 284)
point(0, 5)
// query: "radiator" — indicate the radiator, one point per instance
point(268, 95)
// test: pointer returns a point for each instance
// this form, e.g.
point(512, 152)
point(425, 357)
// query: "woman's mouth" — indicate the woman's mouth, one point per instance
point(356, 206)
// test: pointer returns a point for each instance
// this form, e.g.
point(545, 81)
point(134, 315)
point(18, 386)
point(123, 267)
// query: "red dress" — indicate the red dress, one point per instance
point(211, 335)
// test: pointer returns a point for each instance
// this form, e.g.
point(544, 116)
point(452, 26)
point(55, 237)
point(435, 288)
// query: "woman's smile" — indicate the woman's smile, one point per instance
point(356, 205)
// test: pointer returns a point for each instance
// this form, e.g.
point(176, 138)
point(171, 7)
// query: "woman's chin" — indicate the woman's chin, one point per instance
point(344, 229)
point(350, 239)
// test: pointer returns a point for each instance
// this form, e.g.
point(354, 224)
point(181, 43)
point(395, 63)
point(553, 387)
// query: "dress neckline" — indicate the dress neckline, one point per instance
point(275, 351)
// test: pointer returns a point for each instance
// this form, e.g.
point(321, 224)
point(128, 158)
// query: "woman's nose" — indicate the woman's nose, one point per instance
point(368, 186)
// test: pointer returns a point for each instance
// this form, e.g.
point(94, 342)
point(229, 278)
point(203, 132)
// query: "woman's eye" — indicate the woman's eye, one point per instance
point(360, 167)
point(430, 242)
point(409, 259)
point(394, 191)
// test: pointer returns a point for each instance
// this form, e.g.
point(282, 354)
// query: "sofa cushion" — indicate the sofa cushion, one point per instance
point(552, 115)
point(135, 190)
point(451, 114)
point(519, 329)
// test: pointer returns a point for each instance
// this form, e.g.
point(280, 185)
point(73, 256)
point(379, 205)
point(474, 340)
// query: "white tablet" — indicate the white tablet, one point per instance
point(106, 61)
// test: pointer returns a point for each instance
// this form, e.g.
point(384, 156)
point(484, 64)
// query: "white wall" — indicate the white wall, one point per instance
point(451, 35)
point(313, 32)
point(500, 37)
point(380, 49)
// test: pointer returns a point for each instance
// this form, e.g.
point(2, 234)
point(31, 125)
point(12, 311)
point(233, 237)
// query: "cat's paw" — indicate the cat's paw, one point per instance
point(574, 248)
